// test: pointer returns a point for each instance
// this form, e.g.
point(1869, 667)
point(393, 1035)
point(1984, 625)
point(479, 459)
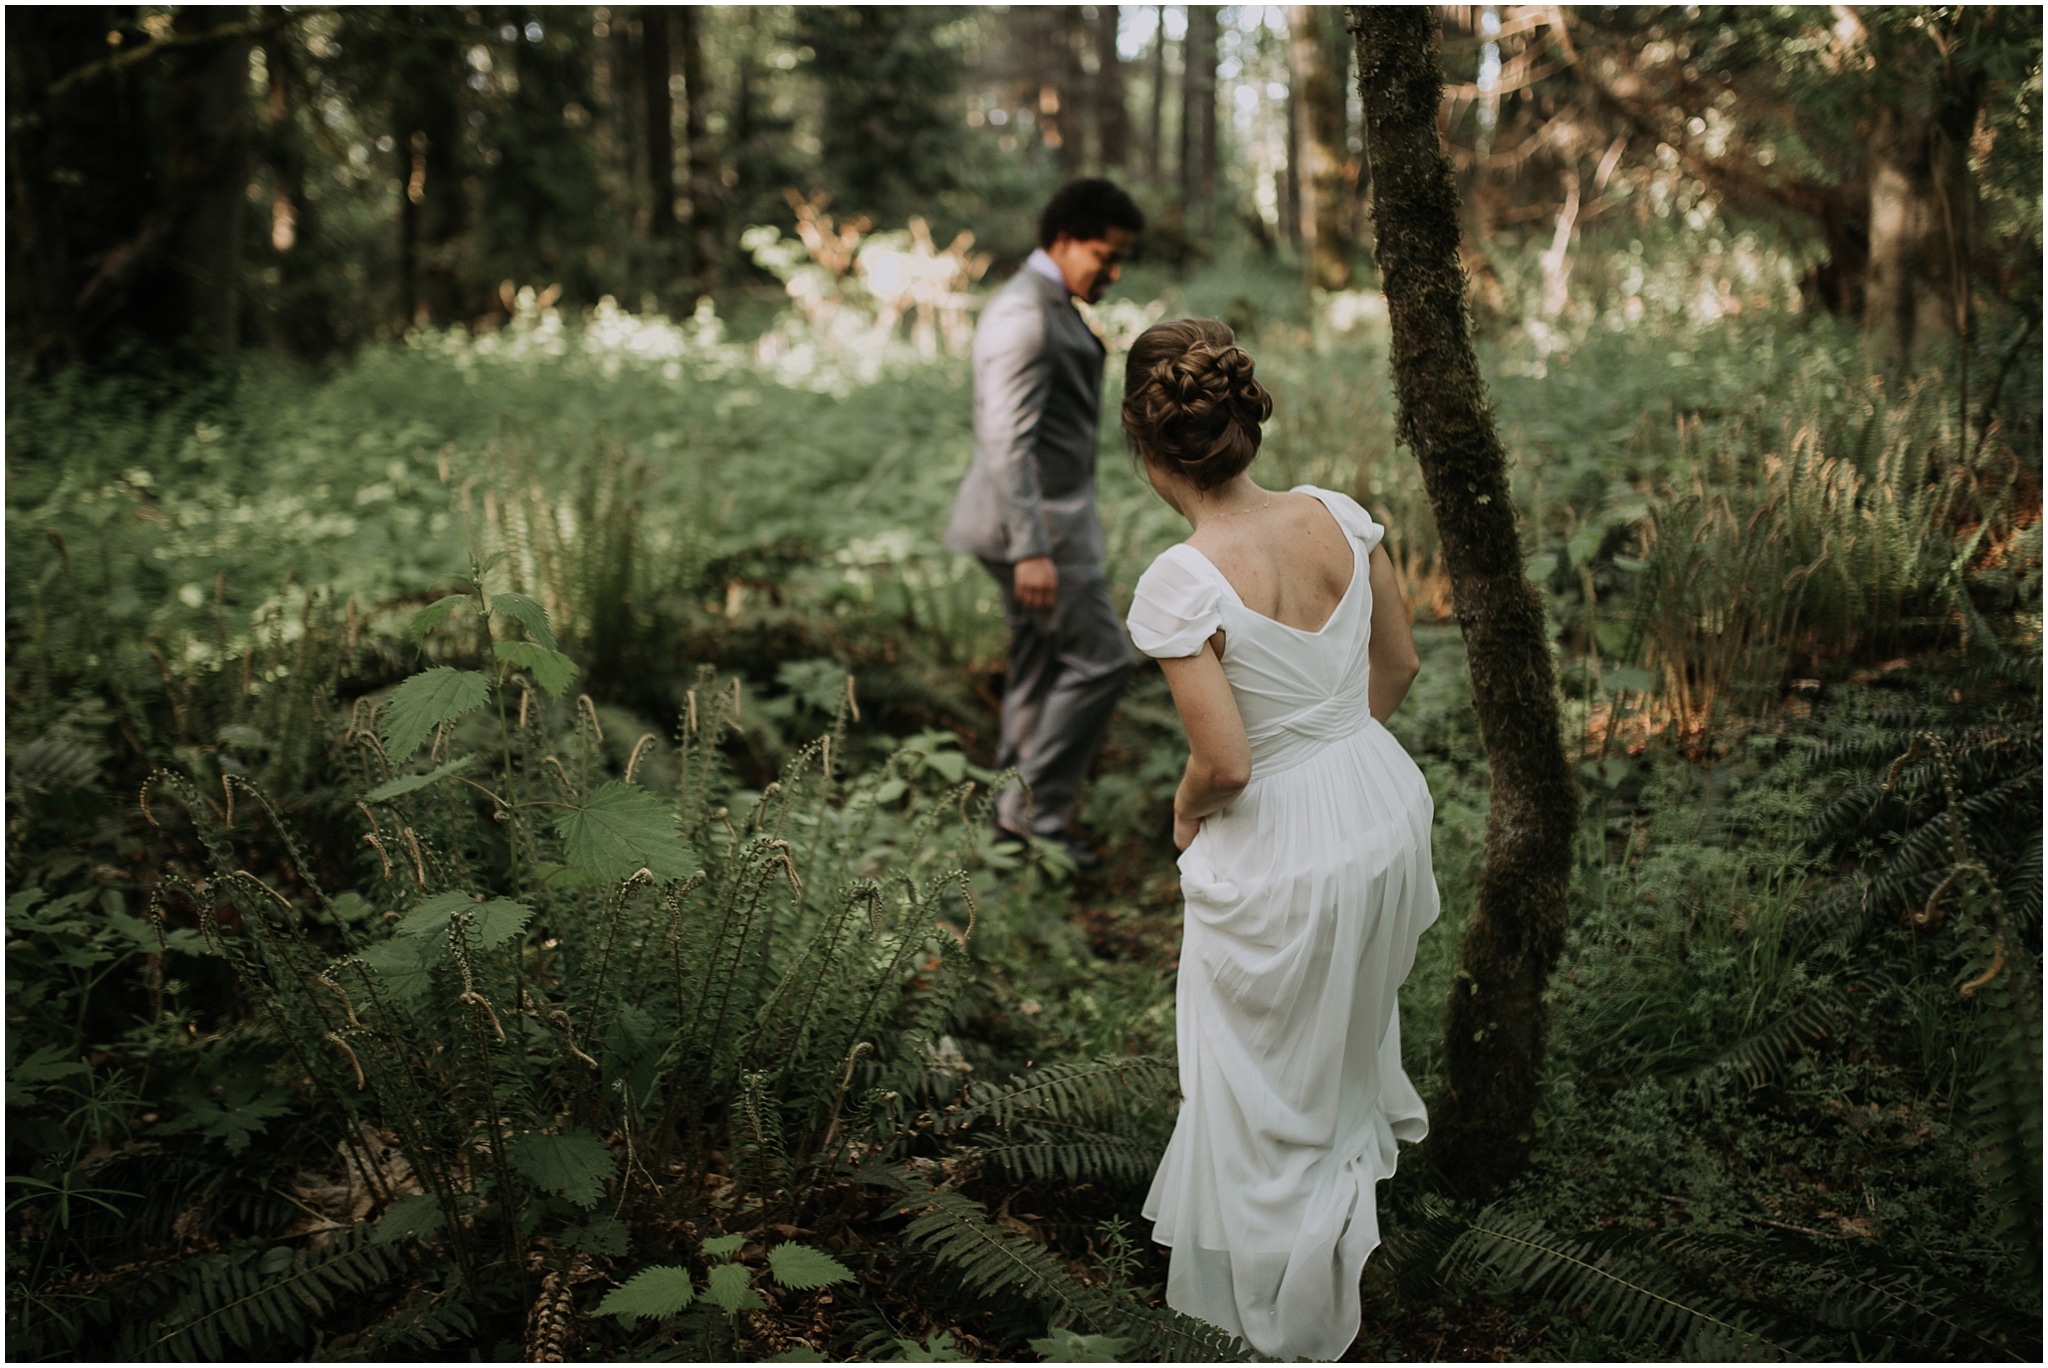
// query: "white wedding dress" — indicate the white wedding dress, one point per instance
point(1305, 898)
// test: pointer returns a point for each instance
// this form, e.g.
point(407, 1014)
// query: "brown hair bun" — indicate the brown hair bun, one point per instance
point(1192, 404)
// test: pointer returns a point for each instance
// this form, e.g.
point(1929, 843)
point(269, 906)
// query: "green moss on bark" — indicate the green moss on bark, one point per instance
point(1496, 1021)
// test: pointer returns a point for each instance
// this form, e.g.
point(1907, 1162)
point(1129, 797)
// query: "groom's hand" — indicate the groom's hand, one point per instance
point(1038, 583)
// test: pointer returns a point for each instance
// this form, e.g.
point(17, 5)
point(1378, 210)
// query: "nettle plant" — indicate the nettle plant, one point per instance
point(565, 1019)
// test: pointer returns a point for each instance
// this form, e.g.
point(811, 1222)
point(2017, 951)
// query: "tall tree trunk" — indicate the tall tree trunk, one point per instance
point(1056, 72)
point(207, 126)
point(696, 130)
point(1919, 215)
point(1198, 111)
point(294, 217)
point(1156, 123)
point(1290, 175)
point(1318, 101)
point(661, 151)
point(1494, 1035)
point(38, 248)
point(426, 121)
point(1112, 115)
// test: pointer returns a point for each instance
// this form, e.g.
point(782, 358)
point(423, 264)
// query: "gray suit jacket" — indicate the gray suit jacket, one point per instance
point(1037, 394)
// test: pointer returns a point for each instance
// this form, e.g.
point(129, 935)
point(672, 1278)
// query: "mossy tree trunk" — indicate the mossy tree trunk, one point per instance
point(1496, 1023)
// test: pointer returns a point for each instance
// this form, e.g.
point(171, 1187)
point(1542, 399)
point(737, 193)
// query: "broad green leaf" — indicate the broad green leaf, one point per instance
point(246, 1103)
point(436, 613)
point(801, 1268)
point(602, 1234)
point(561, 876)
point(402, 965)
point(419, 1215)
point(573, 1165)
point(724, 1247)
point(406, 783)
point(550, 669)
point(731, 1288)
point(796, 1353)
point(491, 923)
point(143, 935)
point(46, 1065)
point(633, 1031)
point(424, 702)
point(531, 615)
point(497, 921)
point(430, 918)
point(350, 907)
point(1064, 1346)
point(937, 1348)
point(649, 1294)
point(622, 828)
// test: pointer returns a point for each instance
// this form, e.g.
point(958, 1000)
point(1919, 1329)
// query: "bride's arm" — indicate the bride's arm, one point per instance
point(1219, 754)
point(1392, 652)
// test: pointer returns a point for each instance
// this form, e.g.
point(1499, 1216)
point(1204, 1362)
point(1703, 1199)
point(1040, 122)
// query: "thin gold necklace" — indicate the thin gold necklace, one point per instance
point(1240, 512)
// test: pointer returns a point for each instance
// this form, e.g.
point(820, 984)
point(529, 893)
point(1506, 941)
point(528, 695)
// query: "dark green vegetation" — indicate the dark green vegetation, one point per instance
point(368, 726)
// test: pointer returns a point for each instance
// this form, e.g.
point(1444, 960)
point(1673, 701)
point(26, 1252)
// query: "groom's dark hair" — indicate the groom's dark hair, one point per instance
point(1086, 210)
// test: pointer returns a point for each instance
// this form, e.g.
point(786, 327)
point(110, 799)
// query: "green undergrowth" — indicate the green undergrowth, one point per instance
point(492, 826)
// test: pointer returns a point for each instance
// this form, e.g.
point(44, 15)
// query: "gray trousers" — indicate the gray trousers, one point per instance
point(1067, 668)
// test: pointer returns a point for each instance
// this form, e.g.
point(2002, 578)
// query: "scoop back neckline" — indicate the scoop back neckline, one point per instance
point(1315, 493)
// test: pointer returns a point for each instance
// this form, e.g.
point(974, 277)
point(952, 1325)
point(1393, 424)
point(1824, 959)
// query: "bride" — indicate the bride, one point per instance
point(1304, 832)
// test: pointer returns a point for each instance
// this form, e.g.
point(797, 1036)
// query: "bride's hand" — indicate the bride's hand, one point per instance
point(1184, 829)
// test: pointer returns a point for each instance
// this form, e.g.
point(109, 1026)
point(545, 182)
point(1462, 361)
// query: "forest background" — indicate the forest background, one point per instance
point(495, 750)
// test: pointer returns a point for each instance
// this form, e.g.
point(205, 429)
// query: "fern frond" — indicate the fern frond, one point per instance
point(1074, 1156)
point(1072, 1094)
point(1611, 1286)
point(954, 1231)
point(422, 1323)
point(229, 1299)
point(1759, 1058)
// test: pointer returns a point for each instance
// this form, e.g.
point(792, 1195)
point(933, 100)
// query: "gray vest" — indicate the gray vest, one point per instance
point(1037, 396)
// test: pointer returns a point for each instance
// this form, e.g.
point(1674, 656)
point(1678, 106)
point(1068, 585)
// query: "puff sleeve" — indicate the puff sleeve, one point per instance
point(1356, 522)
point(1175, 607)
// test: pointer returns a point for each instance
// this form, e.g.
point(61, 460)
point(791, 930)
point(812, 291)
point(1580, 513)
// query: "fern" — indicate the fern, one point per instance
point(1072, 1094)
point(259, 1295)
point(1759, 1058)
point(426, 1321)
point(1074, 1156)
point(955, 1233)
point(1604, 1280)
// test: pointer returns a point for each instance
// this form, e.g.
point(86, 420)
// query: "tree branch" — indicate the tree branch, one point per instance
point(171, 38)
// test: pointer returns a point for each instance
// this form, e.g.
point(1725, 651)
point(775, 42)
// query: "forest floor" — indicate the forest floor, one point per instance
point(1773, 1121)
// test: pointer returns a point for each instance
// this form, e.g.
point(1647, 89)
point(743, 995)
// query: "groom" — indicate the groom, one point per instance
point(1027, 506)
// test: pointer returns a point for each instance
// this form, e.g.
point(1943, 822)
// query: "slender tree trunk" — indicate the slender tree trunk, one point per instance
point(1318, 100)
point(1208, 17)
point(1156, 124)
point(207, 126)
point(433, 214)
point(1112, 115)
point(1494, 1034)
point(696, 129)
point(1198, 111)
point(1919, 207)
point(1059, 126)
point(38, 248)
point(295, 221)
point(1290, 176)
point(661, 151)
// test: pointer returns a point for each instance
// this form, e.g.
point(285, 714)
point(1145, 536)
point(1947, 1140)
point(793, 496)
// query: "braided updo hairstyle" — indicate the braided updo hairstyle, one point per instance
point(1191, 404)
